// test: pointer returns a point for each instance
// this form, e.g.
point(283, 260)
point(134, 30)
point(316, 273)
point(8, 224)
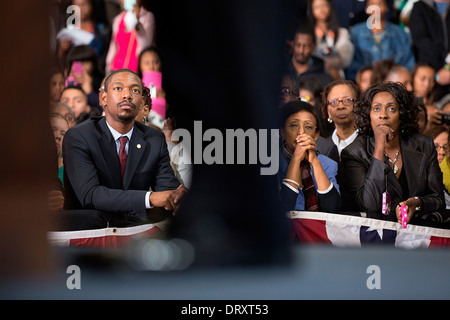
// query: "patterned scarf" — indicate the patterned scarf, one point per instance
point(309, 189)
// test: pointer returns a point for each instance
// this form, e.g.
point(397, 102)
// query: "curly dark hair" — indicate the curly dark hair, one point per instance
point(408, 108)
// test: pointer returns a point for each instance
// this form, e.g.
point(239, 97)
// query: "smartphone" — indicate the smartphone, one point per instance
point(404, 217)
point(77, 67)
point(71, 82)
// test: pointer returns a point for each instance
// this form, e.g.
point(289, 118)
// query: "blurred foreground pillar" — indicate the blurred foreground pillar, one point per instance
point(222, 65)
point(26, 152)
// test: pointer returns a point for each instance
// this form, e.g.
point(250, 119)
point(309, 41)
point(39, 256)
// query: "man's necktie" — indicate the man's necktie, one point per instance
point(309, 189)
point(122, 155)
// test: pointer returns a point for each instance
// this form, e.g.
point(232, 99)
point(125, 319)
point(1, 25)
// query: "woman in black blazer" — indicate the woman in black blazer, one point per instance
point(389, 155)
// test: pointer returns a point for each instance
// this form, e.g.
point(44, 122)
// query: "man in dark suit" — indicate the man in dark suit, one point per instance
point(95, 176)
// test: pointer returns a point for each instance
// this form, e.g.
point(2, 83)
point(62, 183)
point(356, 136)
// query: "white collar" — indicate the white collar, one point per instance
point(349, 140)
point(116, 134)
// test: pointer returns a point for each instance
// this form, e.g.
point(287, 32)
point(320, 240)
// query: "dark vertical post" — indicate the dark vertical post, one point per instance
point(222, 65)
point(26, 147)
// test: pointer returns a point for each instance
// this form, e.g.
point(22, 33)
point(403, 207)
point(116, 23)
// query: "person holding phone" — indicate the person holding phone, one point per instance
point(82, 68)
point(389, 156)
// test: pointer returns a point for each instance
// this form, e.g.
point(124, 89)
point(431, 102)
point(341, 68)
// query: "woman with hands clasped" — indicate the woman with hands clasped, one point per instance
point(307, 178)
point(391, 157)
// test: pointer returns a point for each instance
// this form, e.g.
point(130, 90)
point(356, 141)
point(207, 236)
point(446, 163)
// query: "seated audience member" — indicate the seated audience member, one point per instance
point(307, 179)
point(309, 90)
point(390, 71)
point(59, 126)
point(182, 170)
point(424, 87)
point(149, 60)
point(441, 117)
point(111, 162)
point(57, 84)
point(423, 116)
point(55, 195)
point(334, 46)
point(430, 30)
point(442, 148)
point(440, 137)
point(180, 158)
point(90, 22)
point(382, 40)
point(289, 89)
point(303, 64)
point(149, 66)
point(338, 100)
point(75, 98)
point(424, 83)
point(363, 77)
point(390, 156)
point(81, 64)
point(147, 105)
point(64, 110)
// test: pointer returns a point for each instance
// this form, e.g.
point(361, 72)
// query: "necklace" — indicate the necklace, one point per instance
point(394, 168)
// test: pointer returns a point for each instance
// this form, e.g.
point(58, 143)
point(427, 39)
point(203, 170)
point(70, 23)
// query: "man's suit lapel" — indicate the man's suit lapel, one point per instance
point(109, 151)
point(136, 149)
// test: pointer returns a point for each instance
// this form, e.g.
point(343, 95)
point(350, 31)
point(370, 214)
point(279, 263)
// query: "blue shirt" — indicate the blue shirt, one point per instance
point(395, 44)
point(329, 166)
point(441, 7)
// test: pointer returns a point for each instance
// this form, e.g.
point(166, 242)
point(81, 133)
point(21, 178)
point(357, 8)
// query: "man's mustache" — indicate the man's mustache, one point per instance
point(129, 103)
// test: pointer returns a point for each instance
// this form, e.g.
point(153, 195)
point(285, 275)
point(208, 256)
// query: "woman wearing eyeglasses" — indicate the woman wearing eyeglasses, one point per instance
point(441, 138)
point(390, 156)
point(307, 178)
point(338, 99)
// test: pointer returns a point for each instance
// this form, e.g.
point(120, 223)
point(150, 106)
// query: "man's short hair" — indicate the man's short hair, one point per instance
point(108, 77)
point(77, 87)
point(305, 29)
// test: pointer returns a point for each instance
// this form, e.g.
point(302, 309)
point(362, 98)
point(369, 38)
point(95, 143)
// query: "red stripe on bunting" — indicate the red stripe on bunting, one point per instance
point(114, 241)
point(439, 242)
point(310, 231)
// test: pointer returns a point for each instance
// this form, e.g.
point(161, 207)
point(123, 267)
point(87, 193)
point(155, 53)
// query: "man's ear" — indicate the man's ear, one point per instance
point(146, 110)
point(103, 96)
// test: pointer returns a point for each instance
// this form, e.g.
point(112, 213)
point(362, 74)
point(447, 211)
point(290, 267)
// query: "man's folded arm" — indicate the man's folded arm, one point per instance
point(82, 176)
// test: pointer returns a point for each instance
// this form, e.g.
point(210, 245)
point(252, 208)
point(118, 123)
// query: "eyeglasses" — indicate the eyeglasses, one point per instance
point(346, 102)
point(438, 147)
point(307, 128)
